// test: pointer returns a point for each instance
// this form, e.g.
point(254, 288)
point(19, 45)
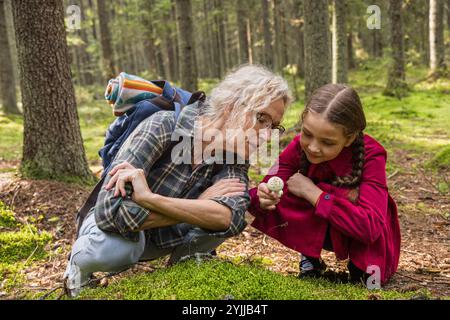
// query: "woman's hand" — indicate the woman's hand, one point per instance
point(303, 187)
point(125, 172)
point(267, 199)
point(224, 187)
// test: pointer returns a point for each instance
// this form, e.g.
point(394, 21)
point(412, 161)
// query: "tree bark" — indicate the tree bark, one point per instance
point(350, 52)
point(220, 23)
point(267, 30)
point(7, 77)
point(53, 146)
point(339, 43)
point(437, 52)
point(299, 37)
point(242, 21)
point(280, 35)
point(317, 45)
point(188, 75)
point(396, 85)
point(109, 70)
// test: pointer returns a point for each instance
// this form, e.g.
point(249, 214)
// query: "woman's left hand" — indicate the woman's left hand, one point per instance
point(303, 187)
point(129, 174)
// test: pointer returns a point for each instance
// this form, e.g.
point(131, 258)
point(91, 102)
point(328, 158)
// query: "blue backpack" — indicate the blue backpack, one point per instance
point(172, 98)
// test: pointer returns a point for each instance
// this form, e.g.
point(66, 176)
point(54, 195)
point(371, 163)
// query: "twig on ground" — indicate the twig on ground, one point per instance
point(393, 174)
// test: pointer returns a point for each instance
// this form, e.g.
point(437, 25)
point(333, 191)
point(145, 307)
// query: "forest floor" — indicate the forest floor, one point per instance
point(37, 217)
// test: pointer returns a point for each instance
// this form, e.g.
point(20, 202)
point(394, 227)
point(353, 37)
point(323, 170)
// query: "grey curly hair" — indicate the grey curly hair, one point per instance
point(246, 90)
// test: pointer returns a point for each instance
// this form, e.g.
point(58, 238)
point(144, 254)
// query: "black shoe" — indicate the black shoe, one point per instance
point(357, 276)
point(319, 268)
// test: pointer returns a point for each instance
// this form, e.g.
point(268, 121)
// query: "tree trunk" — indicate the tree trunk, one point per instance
point(268, 49)
point(280, 35)
point(299, 37)
point(176, 62)
point(53, 146)
point(186, 45)
point(350, 52)
point(170, 39)
point(396, 85)
point(340, 61)
point(208, 42)
point(437, 62)
point(220, 22)
point(242, 21)
point(7, 78)
point(109, 70)
point(216, 42)
point(448, 14)
point(317, 46)
point(87, 72)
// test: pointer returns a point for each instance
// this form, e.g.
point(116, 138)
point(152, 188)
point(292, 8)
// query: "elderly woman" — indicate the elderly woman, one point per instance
point(179, 208)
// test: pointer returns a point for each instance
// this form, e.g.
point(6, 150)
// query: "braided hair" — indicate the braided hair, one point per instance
point(341, 105)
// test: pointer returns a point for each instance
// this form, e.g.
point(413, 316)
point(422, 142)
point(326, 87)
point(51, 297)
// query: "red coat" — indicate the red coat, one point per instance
point(367, 232)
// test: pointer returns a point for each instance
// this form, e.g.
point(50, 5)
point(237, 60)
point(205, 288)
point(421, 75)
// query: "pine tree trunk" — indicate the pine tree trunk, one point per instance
point(299, 37)
point(170, 50)
point(220, 22)
point(268, 49)
point(448, 14)
point(242, 21)
point(437, 62)
point(396, 85)
point(109, 70)
point(208, 42)
point(215, 43)
point(339, 43)
point(350, 52)
point(186, 44)
point(86, 67)
point(7, 77)
point(174, 38)
point(280, 35)
point(53, 146)
point(317, 45)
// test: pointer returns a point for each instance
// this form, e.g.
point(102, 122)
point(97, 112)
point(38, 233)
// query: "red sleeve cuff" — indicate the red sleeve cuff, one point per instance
point(324, 205)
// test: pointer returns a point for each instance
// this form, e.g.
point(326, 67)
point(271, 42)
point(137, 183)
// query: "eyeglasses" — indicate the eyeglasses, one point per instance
point(266, 121)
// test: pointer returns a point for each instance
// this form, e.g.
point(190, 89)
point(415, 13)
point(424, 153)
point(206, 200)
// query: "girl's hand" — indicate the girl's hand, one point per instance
point(303, 187)
point(125, 172)
point(267, 199)
point(224, 187)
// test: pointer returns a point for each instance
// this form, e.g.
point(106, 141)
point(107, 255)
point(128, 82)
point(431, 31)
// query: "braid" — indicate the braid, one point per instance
point(354, 179)
point(304, 163)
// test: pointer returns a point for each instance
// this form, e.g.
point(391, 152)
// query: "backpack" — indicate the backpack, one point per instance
point(170, 98)
point(167, 98)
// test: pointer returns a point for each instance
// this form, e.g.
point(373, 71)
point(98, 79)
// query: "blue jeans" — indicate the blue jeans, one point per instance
point(96, 250)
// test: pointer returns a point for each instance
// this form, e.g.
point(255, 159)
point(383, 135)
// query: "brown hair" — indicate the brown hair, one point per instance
point(341, 105)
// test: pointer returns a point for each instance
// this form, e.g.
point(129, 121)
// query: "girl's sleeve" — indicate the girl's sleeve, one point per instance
point(365, 220)
point(286, 165)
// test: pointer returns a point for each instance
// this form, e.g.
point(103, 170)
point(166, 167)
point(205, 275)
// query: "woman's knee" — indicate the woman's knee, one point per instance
point(108, 252)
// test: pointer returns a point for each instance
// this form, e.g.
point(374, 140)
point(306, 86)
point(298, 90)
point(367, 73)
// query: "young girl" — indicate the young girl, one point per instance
point(335, 195)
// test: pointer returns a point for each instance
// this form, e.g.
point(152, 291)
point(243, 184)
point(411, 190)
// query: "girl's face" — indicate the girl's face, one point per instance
point(322, 140)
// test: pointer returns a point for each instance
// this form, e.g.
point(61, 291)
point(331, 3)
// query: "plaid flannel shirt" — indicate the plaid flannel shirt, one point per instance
point(146, 148)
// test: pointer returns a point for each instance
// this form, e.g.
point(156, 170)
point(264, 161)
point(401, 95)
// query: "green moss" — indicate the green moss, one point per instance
point(23, 244)
point(7, 217)
point(441, 159)
point(31, 170)
point(216, 279)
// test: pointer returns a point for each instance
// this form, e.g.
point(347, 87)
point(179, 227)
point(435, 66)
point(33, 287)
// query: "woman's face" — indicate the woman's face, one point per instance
point(267, 118)
point(322, 140)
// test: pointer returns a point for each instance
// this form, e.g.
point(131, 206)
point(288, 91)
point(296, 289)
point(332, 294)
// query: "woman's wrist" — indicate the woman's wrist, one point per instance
point(149, 200)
